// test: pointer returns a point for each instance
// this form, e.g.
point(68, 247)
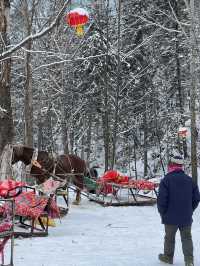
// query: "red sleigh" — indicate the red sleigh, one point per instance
point(118, 190)
point(30, 206)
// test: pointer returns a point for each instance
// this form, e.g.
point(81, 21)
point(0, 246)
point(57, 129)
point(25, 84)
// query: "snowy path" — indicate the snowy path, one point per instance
point(91, 235)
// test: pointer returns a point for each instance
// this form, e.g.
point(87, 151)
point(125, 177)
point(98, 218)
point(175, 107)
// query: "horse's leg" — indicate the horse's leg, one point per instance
point(78, 197)
point(78, 182)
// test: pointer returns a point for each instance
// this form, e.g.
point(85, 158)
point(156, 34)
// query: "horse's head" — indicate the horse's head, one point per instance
point(47, 165)
point(22, 153)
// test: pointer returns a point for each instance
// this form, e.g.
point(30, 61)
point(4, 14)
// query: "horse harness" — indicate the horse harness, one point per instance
point(56, 162)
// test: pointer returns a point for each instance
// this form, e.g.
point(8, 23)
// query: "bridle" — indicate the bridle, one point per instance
point(48, 164)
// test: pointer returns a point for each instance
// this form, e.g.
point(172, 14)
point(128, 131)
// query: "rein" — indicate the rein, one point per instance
point(72, 169)
point(48, 164)
point(37, 164)
point(56, 164)
point(61, 168)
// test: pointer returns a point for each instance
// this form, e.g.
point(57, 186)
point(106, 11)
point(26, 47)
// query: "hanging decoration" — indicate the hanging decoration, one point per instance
point(77, 18)
point(182, 132)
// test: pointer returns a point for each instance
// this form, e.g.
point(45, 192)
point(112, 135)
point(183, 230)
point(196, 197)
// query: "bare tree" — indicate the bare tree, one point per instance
point(117, 93)
point(28, 16)
point(193, 92)
point(6, 122)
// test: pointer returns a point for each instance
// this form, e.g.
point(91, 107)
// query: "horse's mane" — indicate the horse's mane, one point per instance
point(22, 153)
point(47, 161)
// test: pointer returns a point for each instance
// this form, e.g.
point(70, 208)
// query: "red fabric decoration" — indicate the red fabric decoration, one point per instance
point(143, 184)
point(54, 211)
point(9, 184)
point(6, 226)
point(77, 18)
point(29, 204)
point(49, 186)
point(113, 176)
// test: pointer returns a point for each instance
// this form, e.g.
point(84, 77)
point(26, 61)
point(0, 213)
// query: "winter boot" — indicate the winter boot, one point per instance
point(189, 261)
point(166, 259)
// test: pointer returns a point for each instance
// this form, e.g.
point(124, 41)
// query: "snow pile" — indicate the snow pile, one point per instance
point(91, 235)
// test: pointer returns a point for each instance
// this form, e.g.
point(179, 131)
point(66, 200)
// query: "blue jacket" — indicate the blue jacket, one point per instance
point(178, 197)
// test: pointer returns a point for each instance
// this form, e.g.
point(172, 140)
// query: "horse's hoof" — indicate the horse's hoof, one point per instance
point(75, 202)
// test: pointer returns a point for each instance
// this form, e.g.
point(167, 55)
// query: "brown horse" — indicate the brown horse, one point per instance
point(66, 166)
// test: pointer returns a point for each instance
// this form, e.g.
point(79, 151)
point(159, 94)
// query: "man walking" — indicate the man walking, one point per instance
point(178, 197)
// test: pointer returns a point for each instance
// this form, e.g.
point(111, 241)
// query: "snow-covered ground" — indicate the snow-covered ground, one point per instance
point(92, 235)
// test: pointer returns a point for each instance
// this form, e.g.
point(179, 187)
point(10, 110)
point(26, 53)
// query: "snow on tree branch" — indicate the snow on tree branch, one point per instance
point(2, 112)
point(35, 36)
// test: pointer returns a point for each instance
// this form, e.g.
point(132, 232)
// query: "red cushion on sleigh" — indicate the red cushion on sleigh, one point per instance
point(9, 185)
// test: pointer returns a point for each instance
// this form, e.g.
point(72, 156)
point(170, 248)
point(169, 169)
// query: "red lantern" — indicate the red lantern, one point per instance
point(182, 132)
point(77, 18)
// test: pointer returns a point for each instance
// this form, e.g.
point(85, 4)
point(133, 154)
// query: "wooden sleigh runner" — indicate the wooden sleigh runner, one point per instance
point(125, 195)
point(125, 192)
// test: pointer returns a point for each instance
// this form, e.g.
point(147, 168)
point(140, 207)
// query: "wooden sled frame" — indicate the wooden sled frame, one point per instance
point(133, 197)
point(8, 234)
point(64, 193)
point(35, 231)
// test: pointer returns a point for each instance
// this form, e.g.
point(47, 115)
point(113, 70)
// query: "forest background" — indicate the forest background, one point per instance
point(123, 90)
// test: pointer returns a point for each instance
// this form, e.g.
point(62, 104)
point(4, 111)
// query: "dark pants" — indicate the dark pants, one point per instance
point(186, 239)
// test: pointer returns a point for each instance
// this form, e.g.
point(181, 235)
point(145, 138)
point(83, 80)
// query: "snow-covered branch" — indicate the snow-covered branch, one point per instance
point(177, 20)
point(2, 112)
point(157, 24)
point(69, 60)
point(37, 35)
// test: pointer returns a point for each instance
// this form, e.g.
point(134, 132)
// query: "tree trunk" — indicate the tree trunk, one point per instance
point(49, 139)
point(89, 136)
point(193, 93)
point(64, 125)
point(83, 139)
point(6, 120)
point(65, 137)
point(145, 144)
point(135, 160)
point(116, 115)
point(28, 136)
point(106, 138)
point(105, 119)
point(39, 135)
point(178, 77)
